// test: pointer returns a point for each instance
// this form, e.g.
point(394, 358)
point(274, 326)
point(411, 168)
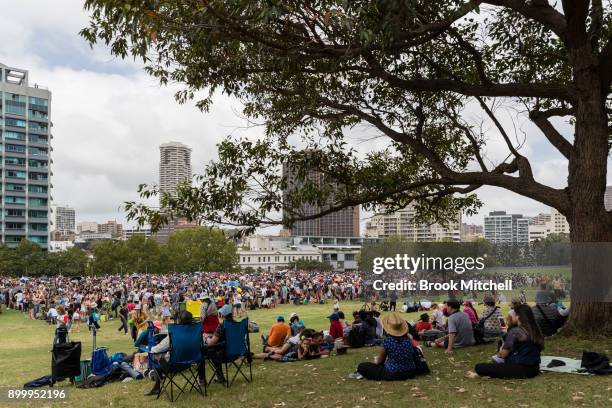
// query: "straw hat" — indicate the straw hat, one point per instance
point(394, 325)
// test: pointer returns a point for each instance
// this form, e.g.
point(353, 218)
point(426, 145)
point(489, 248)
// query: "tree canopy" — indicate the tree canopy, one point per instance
point(429, 78)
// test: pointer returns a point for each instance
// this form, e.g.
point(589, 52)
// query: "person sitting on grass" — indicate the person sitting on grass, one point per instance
point(289, 350)
point(312, 347)
point(493, 320)
point(438, 317)
point(460, 331)
point(294, 322)
point(279, 333)
point(469, 310)
point(335, 327)
point(519, 354)
point(396, 358)
point(423, 324)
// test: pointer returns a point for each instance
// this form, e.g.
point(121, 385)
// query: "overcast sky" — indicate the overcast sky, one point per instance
point(109, 117)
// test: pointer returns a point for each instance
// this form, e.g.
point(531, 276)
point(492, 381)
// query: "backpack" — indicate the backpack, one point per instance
point(100, 362)
point(596, 363)
point(355, 338)
point(419, 361)
point(479, 328)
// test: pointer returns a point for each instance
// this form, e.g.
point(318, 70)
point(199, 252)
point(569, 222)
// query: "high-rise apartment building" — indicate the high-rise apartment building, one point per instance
point(471, 232)
point(402, 224)
point(341, 223)
point(25, 135)
point(174, 169)
point(502, 228)
point(63, 219)
point(174, 166)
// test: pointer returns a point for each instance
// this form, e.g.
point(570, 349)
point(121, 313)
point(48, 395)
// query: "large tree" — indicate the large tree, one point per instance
point(425, 75)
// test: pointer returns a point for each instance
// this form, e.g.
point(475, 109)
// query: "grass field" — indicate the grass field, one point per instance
point(25, 345)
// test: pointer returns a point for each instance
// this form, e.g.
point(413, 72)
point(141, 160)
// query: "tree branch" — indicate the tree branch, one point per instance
point(554, 137)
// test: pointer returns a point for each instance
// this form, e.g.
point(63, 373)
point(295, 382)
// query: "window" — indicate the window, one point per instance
point(12, 239)
point(38, 227)
point(38, 114)
point(14, 161)
point(37, 189)
point(38, 139)
point(38, 127)
point(37, 151)
point(38, 176)
point(14, 200)
point(41, 164)
point(11, 212)
point(15, 187)
point(38, 239)
point(38, 101)
point(15, 104)
point(37, 214)
point(16, 174)
point(14, 225)
point(38, 202)
point(9, 134)
point(15, 148)
point(15, 122)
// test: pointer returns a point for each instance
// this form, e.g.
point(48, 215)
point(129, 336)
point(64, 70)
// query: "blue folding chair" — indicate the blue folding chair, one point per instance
point(185, 356)
point(237, 351)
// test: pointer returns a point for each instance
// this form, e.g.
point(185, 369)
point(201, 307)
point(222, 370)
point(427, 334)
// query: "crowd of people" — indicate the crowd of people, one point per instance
point(454, 324)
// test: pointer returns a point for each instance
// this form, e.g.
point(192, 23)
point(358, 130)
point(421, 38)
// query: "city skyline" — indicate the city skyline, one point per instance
point(111, 141)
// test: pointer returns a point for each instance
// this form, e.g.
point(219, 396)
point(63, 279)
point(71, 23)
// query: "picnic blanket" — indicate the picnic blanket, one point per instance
point(572, 366)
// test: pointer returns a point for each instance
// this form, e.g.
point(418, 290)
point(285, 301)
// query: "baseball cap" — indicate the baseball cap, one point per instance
point(280, 318)
point(333, 316)
point(292, 315)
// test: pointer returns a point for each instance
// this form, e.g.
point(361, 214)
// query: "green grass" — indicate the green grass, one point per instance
point(25, 345)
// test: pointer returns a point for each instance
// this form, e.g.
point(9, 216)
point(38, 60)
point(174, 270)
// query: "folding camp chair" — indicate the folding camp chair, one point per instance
point(237, 351)
point(185, 355)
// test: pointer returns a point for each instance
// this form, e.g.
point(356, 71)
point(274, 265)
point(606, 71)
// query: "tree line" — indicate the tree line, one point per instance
point(190, 250)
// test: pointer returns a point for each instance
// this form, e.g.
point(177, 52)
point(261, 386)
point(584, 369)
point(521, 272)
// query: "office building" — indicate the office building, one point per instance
point(502, 228)
point(402, 224)
point(341, 223)
point(25, 130)
point(63, 219)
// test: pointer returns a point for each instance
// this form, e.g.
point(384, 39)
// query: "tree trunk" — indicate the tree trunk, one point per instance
point(590, 224)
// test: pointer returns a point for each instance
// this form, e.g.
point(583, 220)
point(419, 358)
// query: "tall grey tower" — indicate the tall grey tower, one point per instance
point(25, 135)
point(174, 169)
point(174, 166)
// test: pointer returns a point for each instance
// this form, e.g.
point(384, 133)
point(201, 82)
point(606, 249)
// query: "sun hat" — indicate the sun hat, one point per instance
point(225, 310)
point(394, 325)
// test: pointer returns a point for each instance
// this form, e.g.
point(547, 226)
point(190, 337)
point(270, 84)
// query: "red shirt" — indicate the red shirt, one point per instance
point(210, 324)
point(423, 326)
point(335, 329)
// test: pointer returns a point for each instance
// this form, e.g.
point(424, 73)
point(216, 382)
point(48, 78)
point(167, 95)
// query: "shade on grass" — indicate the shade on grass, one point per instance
point(25, 346)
